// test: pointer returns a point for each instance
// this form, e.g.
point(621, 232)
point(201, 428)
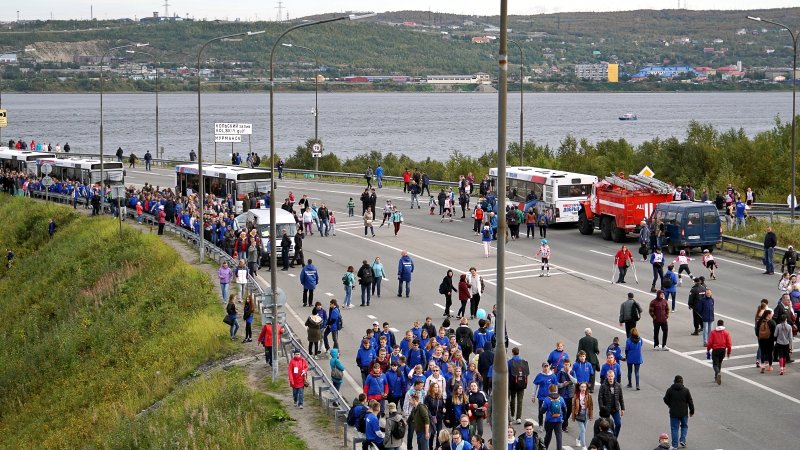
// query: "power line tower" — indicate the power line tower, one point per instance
point(280, 11)
point(166, 8)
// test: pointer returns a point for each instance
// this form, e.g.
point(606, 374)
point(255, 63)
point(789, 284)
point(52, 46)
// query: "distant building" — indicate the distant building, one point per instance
point(598, 72)
point(664, 72)
point(478, 78)
point(8, 58)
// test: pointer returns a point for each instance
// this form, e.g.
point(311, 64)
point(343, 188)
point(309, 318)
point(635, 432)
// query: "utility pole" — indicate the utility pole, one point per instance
point(280, 11)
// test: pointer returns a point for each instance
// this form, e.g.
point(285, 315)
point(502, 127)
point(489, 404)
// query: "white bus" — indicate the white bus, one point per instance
point(222, 180)
point(547, 189)
point(87, 171)
point(21, 160)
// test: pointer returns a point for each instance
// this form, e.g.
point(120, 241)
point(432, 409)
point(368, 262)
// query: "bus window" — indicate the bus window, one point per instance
point(574, 190)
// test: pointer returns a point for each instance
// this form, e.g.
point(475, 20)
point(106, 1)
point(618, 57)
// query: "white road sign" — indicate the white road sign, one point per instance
point(316, 150)
point(46, 169)
point(47, 181)
point(227, 138)
point(233, 128)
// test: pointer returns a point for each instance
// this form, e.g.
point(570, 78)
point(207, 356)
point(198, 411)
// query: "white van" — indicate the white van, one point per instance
point(260, 219)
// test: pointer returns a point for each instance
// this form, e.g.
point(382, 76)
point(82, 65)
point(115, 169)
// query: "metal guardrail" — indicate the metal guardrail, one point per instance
point(748, 247)
point(321, 383)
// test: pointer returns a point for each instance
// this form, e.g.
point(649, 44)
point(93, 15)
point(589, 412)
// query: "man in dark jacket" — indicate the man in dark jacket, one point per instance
point(485, 361)
point(589, 344)
point(610, 397)
point(604, 439)
point(659, 312)
point(629, 313)
point(528, 440)
point(365, 280)
point(695, 294)
point(286, 244)
point(681, 407)
point(464, 338)
point(770, 242)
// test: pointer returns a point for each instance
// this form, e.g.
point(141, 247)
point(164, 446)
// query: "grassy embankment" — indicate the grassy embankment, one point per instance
point(95, 330)
point(755, 230)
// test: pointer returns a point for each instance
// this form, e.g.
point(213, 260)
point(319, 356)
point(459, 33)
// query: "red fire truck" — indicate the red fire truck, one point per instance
point(618, 204)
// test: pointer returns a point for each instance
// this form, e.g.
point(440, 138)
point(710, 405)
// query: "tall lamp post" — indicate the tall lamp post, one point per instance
point(273, 266)
point(1, 88)
point(102, 177)
point(500, 364)
point(316, 97)
point(521, 103)
point(156, 68)
point(200, 190)
point(794, 35)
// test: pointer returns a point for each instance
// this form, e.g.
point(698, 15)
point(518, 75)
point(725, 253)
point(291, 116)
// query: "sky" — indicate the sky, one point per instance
point(268, 9)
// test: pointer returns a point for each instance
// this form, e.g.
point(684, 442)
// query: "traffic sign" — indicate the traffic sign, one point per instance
point(227, 138)
point(647, 172)
point(117, 192)
point(47, 181)
point(233, 128)
point(3, 118)
point(316, 150)
point(47, 168)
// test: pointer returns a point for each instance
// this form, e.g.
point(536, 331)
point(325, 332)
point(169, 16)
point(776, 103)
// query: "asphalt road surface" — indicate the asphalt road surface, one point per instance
point(749, 409)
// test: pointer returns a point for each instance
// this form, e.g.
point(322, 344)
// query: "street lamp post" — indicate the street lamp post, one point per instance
point(794, 35)
point(521, 103)
point(156, 68)
point(102, 181)
point(500, 363)
point(316, 97)
point(200, 190)
point(273, 266)
point(1, 89)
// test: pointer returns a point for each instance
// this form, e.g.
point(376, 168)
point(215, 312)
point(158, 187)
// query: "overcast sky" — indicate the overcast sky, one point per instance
point(267, 9)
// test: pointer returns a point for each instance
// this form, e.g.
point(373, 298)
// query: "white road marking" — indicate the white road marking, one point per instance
point(393, 330)
point(291, 274)
point(490, 269)
point(329, 294)
point(738, 263)
point(323, 253)
point(514, 342)
point(602, 253)
point(371, 316)
point(697, 352)
point(438, 305)
point(752, 366)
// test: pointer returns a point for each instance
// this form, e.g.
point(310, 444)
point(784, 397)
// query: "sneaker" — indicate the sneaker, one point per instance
point(718, 379)
point(680, 281)
point(577, 442)
point(674, 310)
point(664, 348)
point(655, 348)
point(629, 386)
point(301, 407)
point(547, 274)
point(519, 421)
point(680, 444)
point(763, 369)
point(541, 274)
point(769, 369)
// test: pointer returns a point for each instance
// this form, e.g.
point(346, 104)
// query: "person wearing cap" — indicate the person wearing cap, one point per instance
point(544, 252)
point(709, 263)
point(789, 261)
point(681, 407)
point(162, 219)
point(393, 420)
point(298, 367)
point(695, 294)
point(629, 314)
point(663, 442)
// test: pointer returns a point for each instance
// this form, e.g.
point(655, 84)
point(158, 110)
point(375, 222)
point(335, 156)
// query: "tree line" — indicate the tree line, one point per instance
point(706, 158)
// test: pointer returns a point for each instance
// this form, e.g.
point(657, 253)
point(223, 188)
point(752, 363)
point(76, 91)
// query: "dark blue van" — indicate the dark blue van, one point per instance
point(688, 224)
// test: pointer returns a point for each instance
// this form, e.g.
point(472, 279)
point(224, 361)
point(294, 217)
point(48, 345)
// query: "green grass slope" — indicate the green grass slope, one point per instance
point(95, 329)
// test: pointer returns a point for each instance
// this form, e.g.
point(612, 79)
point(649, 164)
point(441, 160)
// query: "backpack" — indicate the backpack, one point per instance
point(361, 422)
point(763, 330)
point(487, 233)
point(512, 219)
point(443, 288)
point(519, 372)
point(555, 408)
point(399, 431)
point(666, 282)
point(351, 417)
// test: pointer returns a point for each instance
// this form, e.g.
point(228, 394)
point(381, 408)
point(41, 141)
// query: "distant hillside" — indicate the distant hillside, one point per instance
point(420, 43)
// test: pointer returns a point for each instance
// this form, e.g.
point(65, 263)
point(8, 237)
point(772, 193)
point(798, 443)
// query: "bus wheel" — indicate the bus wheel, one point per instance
point(585, 226)
point(605, 228)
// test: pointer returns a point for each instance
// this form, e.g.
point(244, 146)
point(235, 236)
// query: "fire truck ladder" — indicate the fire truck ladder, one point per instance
point(621, 183)
point(651, 183)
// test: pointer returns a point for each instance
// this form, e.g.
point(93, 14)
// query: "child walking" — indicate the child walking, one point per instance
point(544, 252)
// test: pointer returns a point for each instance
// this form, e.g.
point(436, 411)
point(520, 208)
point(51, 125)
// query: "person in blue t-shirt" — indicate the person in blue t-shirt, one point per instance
point(542, 382)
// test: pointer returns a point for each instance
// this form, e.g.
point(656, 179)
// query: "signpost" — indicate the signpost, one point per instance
point(230, 132)
point(118, 193)
point(316, 150)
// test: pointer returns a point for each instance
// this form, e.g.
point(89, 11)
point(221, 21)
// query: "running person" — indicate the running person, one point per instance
point(544, 252)
point(683, 264)
point(709, 263)
point(657, 260)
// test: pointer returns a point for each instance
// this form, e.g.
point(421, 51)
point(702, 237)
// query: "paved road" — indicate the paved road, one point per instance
point(748, 411)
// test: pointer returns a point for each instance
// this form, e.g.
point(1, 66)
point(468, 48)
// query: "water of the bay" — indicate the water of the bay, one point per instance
point(416, 124)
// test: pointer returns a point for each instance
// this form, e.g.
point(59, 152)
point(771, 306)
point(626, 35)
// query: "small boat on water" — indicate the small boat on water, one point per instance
point(628, 116)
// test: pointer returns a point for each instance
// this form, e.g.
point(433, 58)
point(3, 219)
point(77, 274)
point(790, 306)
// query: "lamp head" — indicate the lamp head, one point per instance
point(757, 19)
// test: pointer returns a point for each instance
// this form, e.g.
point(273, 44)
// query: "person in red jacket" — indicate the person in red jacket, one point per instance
point(406, 180)
point(265, 339)
point(298, 367)
point(719, 344)
point(623, 259)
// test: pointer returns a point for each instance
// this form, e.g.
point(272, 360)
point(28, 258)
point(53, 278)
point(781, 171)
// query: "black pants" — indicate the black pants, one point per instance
point(298, 257)
point(622, 271)
point(474, 301)
point(697, 321)
point(313, 348)
point(160, 228)
point(248, 330)
point(308, 297)
point(285, 258)
point(366, 445)
point(268, 355)
point(717, 355)
point(660, 327)
point(549, 429)
point(462, 310)
point(542, 231)
point(565, 423)
point(628, 327)
point(335, 334)
point(448, 302)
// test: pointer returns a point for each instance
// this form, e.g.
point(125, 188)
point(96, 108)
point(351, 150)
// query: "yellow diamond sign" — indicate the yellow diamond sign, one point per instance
point(3, 119)
point(647, 172)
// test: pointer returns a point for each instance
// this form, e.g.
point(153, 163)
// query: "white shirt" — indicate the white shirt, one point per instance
point(474, 283)
point(441, 381)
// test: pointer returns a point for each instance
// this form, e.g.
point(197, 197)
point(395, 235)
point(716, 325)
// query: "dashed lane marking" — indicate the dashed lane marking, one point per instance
point(323, 253)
